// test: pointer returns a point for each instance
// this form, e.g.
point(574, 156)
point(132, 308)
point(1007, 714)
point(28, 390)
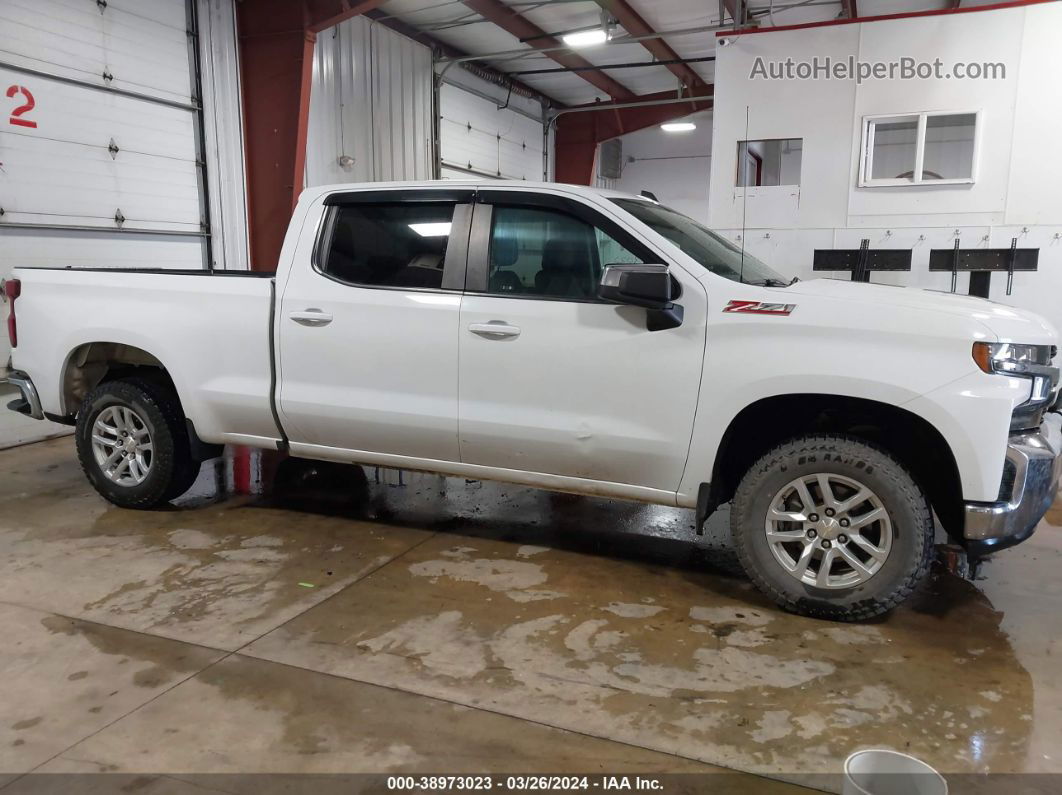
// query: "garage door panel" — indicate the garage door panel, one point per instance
point(467, 147)
point(74, 114)
point(63, 183)
point(160, 12)
point(104, 249)
point(59, 37)
point(519, 161)
point(146, 56)
point(474, 133)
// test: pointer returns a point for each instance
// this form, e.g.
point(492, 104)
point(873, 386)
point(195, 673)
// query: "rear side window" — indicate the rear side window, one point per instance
point(389, 245)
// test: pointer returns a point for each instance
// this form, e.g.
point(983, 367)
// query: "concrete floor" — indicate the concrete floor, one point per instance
point(341, 625)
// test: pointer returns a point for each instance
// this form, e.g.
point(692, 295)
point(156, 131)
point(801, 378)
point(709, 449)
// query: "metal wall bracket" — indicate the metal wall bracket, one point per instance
point(113, 149)
point(119, 219)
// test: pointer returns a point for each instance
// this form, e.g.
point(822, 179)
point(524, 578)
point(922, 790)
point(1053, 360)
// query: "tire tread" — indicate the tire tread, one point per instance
point(905, 485)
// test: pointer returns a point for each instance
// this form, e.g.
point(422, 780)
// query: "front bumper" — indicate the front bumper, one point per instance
point(1036, 461)
point(29, 402)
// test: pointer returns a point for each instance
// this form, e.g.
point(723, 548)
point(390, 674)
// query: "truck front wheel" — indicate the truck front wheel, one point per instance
point(832, 527)
point(133, 444)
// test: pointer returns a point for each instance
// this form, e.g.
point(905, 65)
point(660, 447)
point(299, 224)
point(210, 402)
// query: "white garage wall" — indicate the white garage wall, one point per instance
point(107, 165)
point(1020, 164)
point(484, 130)
point(675, 167)
point(371, 106)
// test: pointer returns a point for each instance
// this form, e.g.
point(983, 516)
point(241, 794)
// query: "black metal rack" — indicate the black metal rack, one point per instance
point(981, 263)
point(862, 261)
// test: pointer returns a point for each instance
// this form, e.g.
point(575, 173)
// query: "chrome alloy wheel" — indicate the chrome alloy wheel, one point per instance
point(121, 445)
point(828, 531)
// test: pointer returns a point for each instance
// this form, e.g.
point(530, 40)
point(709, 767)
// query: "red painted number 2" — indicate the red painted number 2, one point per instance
point(24, 108)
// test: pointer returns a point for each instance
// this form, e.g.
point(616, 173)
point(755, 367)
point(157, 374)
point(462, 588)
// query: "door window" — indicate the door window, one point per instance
point(389, 245)
point(549, 254)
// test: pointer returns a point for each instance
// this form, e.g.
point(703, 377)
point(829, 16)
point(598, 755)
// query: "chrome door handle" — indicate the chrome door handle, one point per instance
point(311, 317)
point(496, 329)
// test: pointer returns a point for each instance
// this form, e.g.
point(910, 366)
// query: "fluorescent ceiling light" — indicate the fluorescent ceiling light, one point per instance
point(585, 38)
point(678, 126)
point(441, 229)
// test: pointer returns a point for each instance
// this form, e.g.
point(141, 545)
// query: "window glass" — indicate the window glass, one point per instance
point(891, 148)
point(769, 162)
point(547, 253)
point(708, 249)
point(895, 145)
point(390, 245)
point(949, 149)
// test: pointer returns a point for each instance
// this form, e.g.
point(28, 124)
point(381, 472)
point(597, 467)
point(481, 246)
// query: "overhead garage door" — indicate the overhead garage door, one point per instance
point(100, 145)
point(477, 138)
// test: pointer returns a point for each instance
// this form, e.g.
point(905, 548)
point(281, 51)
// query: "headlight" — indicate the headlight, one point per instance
point(1022, 361)
point(1008, 358)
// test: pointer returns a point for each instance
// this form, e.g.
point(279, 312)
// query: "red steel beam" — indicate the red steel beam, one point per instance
point(936, 12)
point(276, 40)
point(345, 12)
point(578, 134)
point(510, 21)
point(633, 23)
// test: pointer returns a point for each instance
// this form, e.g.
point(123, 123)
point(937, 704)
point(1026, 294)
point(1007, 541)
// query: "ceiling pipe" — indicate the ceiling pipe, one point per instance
point(621, 105)
point(609, 66)
point(619, 40)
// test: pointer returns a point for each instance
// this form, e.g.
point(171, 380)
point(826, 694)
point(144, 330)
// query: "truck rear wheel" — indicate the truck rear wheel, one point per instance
point(133, 444)
point(832, 527)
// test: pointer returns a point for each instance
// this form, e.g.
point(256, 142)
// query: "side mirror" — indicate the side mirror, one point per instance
point(638, 285)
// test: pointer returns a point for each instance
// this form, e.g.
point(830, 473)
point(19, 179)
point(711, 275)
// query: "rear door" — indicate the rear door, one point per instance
point(553, 380)
point(368, 332)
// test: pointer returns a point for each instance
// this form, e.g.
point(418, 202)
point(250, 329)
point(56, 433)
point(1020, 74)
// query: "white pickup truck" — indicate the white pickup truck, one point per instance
point(577, 340)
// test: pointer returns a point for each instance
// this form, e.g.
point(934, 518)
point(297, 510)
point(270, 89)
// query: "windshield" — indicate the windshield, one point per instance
point(711, 251)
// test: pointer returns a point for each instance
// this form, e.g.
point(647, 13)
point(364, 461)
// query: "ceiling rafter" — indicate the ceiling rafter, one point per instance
point(851, 8)
point(635, 25)
point(410, 32)
point(522, 28)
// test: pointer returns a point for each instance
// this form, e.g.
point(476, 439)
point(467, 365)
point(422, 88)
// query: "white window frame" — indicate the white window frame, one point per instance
point(867, 153)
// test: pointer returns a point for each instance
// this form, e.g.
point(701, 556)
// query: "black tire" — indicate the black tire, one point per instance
point(172, 469)
point(908, 510)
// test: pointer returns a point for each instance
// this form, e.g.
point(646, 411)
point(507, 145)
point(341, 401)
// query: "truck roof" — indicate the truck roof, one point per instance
point(552, 187)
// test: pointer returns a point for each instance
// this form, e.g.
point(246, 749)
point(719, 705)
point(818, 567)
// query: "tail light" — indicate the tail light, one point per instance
point(12, 290)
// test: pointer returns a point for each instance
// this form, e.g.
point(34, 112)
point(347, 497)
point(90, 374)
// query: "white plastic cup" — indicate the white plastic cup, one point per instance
point(881, 772)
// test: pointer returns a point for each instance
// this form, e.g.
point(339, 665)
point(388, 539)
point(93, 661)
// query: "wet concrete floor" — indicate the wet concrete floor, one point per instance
point(343, 623)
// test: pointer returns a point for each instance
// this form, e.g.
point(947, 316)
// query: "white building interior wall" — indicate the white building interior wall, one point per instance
point(1019, 165)
point(675, 167)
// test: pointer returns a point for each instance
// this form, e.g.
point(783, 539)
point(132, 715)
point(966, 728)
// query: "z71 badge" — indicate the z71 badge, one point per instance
point(759, 308)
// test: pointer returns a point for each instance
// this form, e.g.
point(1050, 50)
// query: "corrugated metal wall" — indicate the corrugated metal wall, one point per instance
point(223, 133)
point(371, 107)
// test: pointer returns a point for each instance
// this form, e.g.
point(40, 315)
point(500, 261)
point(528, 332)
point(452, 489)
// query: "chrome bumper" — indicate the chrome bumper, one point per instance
point(1036, 457)
point(29, 403)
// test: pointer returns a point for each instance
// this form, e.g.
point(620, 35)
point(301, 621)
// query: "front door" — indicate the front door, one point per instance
point(368, 333)
point(554, 380)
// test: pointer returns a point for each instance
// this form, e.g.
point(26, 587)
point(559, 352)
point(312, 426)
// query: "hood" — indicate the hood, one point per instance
point(1007, 323)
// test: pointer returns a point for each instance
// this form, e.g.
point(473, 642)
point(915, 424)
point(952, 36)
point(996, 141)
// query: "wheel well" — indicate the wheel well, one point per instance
point(911, 439)
point(93, 363)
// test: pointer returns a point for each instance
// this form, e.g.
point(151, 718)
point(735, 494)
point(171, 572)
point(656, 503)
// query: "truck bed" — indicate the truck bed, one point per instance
point(211, 331)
